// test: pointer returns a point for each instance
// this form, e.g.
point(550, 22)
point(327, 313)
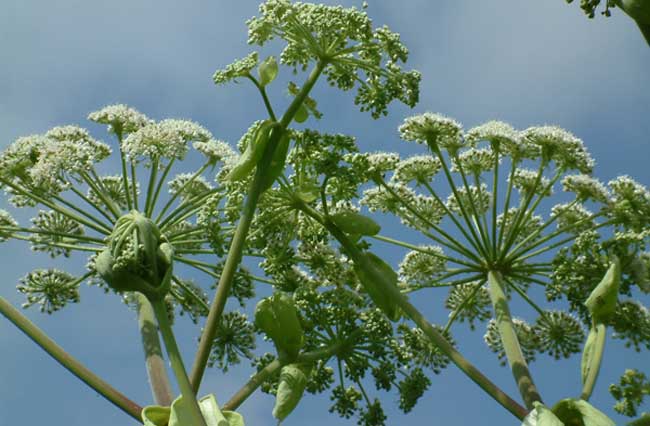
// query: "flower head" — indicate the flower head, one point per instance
point(433, 129)
point(120, 118)
point(50, 288)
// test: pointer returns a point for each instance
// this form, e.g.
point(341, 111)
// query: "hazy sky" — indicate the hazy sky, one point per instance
point(528, 63)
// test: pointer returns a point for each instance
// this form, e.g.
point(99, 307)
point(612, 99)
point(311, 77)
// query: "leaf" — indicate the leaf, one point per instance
point(301, 114)
point(578, 412)
point(355, 223)
point(293, 381)
point(155, 415)
point(267, 70)
point(179, 415)
point(593, 346)
point(602, 300)
point(369, 271)
point(278, 318)
point(252, 154)
point(541, 416)
point(644, 420)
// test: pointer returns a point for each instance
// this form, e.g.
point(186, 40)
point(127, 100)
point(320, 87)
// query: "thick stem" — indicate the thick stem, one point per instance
point(510, 342)
point(237, 245)
point(153, 356)
point(67, 361)
point(189, 397)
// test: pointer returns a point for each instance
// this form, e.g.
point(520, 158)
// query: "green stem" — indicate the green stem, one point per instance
point(506, 204)
point(189, 397)
point(510, 342)
point(95, 206)
point(53, 206)
point(102, 196)
point(134, 185)
point(451, 216)
point(62, 245)
point(434, 147)
point(451, 243)
point(69, 362)
point(423, 250)
point(477, 219)
point(82, 212)
point(462, 305)
point(153, 356)
point(495, 187)
point(52, 233)
point(151, 185)
point(125, 178)
point(594, 365)
point(161, 182)
point(239, 239)
point(265, 98)
point(177, 194)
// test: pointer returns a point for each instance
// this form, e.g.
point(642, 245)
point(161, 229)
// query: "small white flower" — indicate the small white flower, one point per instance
point(215, 150)
point(187, 189)
point(120, 118)
point(167, 139)
point(562, 147)
point(419, 267)
point(419, 168)
point(479, 200)
point(433, 128)
point(6, 221)
point(585, 187)
point(573, 219)
point(494, 132)
point(525, 179)
point(474, 161)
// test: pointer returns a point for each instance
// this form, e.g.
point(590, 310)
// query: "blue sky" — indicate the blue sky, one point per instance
point(527, 63)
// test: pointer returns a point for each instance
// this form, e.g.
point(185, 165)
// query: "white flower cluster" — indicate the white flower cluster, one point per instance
point(120, 118)
point(630, 203)
point(50, 288)
point(434, 129)
point(112, 188)
point(44, 162)
point(379, 199)
point(527, 228)
point(474, 161)
point(369, 165)
point(6, 221)
point(215, 150)
point(70, 151)
point(561, 146)
point(524, 180)
point(167, 139)
point(419, 168)
point(187, 187)
point(572, 218)
point(585, 187)
point(476, 201)
point(420, 267)
point(496, 132)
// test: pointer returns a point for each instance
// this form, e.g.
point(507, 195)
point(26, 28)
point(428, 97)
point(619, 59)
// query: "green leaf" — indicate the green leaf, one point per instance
point(541, 416)
point(644, 420)
point(252, 154)
point(278, 318)
point(602, 300)
point(577, 412)
point(278, 161)
point(155, 415)
point(593, 346)
point(355, 223)
point(179, 414)
point(301, 114)
point(268, 70)
point(370, 270)
point(293, 380)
